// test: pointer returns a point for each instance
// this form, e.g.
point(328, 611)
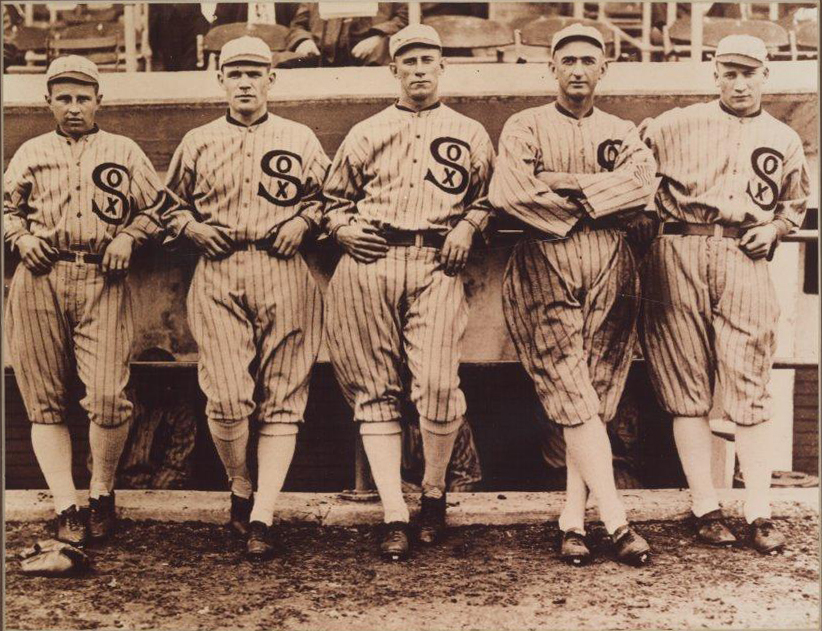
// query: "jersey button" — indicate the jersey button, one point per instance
point(418, 136)
point(414, 161)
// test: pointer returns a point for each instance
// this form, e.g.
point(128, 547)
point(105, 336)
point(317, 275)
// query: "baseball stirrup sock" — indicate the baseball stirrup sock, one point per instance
point(437, 449)
point(572, 516)
point(753, 446)
point(693, 444)
point(231, 441)
point(274, 455)
point(52, 448)
point(106, 445)
point(589, 447)
point(384, 453)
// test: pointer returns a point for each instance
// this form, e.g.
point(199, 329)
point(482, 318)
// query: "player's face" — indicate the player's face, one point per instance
point(740, 87)
point(246, 87)
point(578, 66)
point(418, 69)
point(74, 106)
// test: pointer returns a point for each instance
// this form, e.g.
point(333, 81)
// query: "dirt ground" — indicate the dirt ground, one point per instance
point(192, 576)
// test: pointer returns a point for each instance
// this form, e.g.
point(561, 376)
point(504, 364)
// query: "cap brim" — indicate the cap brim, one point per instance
point(255, 60)
point(423, 43)
point(739, 60)
point(73, 77)
point(584, 38)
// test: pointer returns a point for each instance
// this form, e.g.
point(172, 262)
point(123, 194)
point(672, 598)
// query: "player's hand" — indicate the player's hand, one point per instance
point(367, 47)
point(758, 241)
point(288, 237)
point(362, 242)
point(117, 256)
point(457, 246)
point(213, 242)
point(307, 48)
point(37, 255)
point(642, 228)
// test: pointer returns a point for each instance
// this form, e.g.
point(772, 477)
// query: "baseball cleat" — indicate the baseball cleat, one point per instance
point(630, 547)
point(432, 519)
point(240, 513)
point(395, 544)
point(72, 527)
point(259, 546)
point(102, 516)
point(765, 537)
point(711, 529)
point(573, 549)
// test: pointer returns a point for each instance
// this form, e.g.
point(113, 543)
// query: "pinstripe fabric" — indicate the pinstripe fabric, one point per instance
point(612, 167)
point(710, 309)
point(257, 319)
point(411, 171)
point(401, 307)
point(570, 304)
point(76, 193)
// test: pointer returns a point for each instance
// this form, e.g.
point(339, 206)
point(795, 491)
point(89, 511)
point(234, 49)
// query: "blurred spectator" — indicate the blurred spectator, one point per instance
point(12, 17)
point(158, 452)
point(464, 472)
point(475, 9)
point(172, 34)
point(281, 13)
point(347, 41)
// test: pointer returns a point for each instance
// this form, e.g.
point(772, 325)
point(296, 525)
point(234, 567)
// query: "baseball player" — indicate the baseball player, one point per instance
point(77, 202)
point(252, 185)
point(406, 197)
point(734, 182)
point(568, 170)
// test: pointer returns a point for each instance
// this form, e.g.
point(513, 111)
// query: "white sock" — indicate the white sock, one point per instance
point(437, 449)
point(384, 453)
point(693, 444)
point(588, 445)
point(52, 448)
point(106, 445)
point(753, 446)
point(231, 440)
point(274, 455)
point(576, 496)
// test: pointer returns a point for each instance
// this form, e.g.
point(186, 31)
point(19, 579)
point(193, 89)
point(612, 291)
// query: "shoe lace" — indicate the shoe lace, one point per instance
point(395, 535)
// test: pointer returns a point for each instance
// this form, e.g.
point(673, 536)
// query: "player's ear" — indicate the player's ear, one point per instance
point(99, 98)
point(392, 66)
point(272, 77)
point(603, 67)
point(220, 78)
point(766, 72)
point(552, 66)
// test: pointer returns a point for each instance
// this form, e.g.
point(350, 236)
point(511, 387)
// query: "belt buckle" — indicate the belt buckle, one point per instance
point(419, 239)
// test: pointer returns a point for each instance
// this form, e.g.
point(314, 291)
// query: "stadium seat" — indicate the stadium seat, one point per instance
point(469, 39)
point(103, 51)
point(33, 43)
point(274, 35)
point(677, 37)
point(535, 36)
point(90, 29)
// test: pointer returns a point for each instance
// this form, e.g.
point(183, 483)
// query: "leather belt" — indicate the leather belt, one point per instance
point(606, 223)
point(680, 228)
point(418, 238)
point(79, 257)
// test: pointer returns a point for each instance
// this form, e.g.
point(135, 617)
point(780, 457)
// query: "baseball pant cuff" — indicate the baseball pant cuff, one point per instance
point(48, 419)
point(279, 429)
point(380, 428)
point(441, 427)
point(280, 418)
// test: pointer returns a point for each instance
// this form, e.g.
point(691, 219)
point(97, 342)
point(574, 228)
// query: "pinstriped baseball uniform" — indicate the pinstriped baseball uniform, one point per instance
point(251, 313)
point(715, 308)
point(76, 195)
point(571, 296)
point(402, 170)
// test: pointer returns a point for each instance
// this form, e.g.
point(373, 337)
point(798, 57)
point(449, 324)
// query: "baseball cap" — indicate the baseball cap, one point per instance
point(745, 50)
point(414, 34)
point(577, 31)
point(245, 49)
point(73, 68)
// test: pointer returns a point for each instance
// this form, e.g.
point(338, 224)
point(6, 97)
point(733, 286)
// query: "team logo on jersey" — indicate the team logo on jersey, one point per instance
point(764, 191)
point(607, 153)
point(279, 164)
point(112, 179)
point(448, 152)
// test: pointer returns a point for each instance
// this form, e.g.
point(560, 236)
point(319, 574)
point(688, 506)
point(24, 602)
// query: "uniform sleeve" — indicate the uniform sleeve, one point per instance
point(149, 200)
point(478, 206)
point(391, 17)
point(516, 189)
point(628, 186)
point(316, 168)
point(17, 183)
point(180, 180)
point(343, 186)
point(793, 194)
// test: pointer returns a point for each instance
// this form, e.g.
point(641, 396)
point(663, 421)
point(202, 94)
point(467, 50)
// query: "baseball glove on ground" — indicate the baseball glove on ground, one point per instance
point(53, 558)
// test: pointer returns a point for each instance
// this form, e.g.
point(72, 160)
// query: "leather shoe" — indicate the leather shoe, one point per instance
point(573, 549)
point(72, 526)
point(101, 516)
point(395, 544)
point(259, 546)
point(432, 519)
point(630, 547)
point(240, 513)
point(711, 529)
point(765, 537)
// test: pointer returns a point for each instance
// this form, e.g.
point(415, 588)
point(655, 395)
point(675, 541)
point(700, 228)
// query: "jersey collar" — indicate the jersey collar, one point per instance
point(94, 129)
point(230, 119)
point(565, 112)
point(433, 106)
point(730, 112)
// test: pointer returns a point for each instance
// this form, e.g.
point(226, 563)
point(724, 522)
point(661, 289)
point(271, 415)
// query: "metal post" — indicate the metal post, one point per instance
point(579, 9)
point(129, 25)
point(28, 13)
point(670, 18)
point(414, 13)
point(696, 32)
point(646, 31)
point(363, 490)
point(773, 11)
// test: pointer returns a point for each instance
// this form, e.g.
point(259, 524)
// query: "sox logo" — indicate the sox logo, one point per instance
point(765, 163)
point(279, 164)
point(447, 151)
point(110, 177)
point(607, 153)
